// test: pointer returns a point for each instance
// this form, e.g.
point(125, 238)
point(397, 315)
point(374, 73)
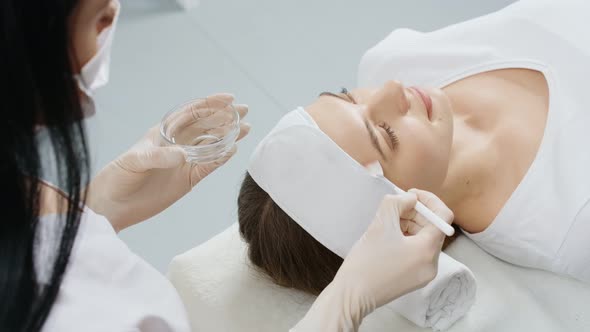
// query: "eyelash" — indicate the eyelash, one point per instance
point(392, 136)
point(390, 133)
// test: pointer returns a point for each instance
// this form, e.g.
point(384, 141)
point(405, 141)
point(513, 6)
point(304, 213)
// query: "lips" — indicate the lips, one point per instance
point(425, 99)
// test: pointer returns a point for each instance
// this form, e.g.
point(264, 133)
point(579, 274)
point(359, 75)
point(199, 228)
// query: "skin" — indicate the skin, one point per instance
point(481, 138)
point(88, 20)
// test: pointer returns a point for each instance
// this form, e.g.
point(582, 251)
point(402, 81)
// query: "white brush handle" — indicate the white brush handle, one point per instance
point(434, 219)
point(431, 216)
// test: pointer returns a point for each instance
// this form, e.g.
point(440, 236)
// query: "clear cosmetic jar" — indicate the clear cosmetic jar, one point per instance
point(206, 128)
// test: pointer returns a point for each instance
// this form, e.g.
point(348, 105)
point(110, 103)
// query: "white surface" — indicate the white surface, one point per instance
point(223, 293)
point(273, 55)
point(107, 287)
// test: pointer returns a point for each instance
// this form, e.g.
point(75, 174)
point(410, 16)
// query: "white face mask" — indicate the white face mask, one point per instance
point(95, 73)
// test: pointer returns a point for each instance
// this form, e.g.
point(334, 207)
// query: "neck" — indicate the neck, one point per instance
point(473, 155)
point(491, 150)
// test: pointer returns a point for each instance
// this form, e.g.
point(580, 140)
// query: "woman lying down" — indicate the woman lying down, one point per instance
point(491, 115)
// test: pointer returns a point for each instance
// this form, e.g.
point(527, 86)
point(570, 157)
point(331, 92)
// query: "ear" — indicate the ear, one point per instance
point(108, 17)
point(374, 168)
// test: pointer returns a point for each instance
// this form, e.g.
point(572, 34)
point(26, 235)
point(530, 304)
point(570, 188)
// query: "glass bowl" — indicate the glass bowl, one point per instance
point(206, 128)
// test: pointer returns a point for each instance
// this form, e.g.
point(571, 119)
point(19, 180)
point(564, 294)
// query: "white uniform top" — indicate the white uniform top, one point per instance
point(106, 287)
point(546, 222)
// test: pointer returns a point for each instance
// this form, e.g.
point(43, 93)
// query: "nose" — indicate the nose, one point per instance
point(390, 99)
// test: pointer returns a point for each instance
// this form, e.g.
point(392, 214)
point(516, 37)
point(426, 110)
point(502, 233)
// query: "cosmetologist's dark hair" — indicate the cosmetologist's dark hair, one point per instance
point(36, 61)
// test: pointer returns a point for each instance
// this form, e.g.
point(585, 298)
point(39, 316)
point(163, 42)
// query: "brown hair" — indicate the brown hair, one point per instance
point(280, 247)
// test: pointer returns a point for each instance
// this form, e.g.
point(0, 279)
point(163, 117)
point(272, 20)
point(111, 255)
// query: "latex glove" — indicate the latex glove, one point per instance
point(150, 177)
point(383, 265)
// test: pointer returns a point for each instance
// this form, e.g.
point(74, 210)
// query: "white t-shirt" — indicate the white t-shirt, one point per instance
point(546, 222)
point(106, 287)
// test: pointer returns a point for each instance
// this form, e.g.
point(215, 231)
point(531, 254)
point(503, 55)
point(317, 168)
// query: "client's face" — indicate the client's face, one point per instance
point(408, 134)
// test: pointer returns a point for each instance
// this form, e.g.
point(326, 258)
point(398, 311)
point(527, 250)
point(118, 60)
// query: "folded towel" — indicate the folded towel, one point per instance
point(443, 301)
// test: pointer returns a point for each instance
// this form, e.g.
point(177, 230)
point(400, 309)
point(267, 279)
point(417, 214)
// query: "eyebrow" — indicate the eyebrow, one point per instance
point(370, 130)
point(332, 94)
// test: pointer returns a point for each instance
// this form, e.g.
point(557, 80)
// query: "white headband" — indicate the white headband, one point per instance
point(316, 183)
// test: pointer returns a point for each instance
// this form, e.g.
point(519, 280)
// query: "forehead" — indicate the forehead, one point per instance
point(344, 123)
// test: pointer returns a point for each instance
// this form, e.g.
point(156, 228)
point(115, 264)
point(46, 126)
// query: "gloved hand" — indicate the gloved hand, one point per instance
point(150, 177)
point(383, 265)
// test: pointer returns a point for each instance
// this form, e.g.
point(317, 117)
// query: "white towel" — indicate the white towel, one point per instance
point(443, 301)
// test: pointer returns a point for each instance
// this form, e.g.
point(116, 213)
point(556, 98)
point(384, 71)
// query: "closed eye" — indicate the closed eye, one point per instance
point(391, 134)
point(393, 140)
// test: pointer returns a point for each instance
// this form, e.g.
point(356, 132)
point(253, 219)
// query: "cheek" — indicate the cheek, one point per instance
point(89, 48)
point(420, 161)
point(85, 44)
